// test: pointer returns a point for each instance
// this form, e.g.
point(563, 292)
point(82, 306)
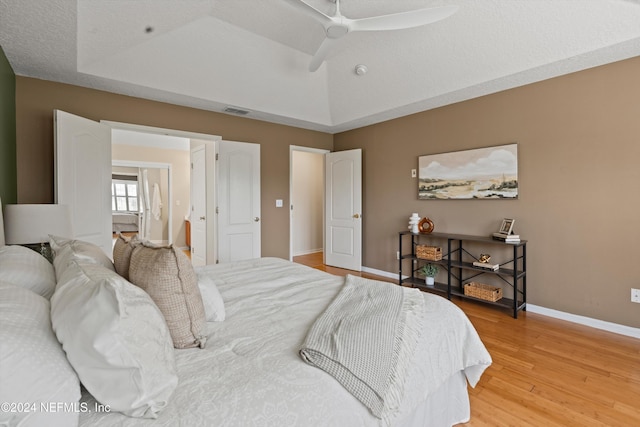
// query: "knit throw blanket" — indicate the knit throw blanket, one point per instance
point(366, 339)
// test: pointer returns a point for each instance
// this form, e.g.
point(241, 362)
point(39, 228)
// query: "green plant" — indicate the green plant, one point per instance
point(429, 270)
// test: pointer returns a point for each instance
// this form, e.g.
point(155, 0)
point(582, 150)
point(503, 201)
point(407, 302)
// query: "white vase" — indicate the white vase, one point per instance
point(429, 280)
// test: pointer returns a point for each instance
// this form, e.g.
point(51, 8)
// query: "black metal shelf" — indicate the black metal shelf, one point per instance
point(460, 271)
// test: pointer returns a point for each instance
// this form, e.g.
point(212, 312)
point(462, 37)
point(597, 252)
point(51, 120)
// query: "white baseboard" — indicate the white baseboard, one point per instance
point(582, 320)
point(587, 321)
point(159, 242)
point(308, 252)
point(381, 273)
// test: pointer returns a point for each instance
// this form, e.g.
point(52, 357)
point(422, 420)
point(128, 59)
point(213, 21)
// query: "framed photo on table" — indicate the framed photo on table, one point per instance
point(507, 226)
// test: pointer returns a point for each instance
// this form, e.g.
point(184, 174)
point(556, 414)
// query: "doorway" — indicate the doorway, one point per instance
point(153, 215)
point(88, 145)
point(306, 200)
point(173, 147)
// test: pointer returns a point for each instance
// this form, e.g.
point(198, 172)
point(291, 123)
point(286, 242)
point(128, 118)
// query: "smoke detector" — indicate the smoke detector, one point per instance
point(361, 69)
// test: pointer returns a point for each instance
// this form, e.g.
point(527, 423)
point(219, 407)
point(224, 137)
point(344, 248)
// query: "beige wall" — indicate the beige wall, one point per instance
point(579, 207)
point(36, 100)
point(578, 169)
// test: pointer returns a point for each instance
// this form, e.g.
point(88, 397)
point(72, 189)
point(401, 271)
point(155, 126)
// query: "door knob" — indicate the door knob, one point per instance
point(256, 219)
point(356, 216)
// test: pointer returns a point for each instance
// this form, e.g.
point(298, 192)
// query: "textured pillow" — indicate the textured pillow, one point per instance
point(33, 367)
point(28, 269)
point(115, 338)
point(67, 250)
point(167, 275)
point(122, 250)
point(211, 299)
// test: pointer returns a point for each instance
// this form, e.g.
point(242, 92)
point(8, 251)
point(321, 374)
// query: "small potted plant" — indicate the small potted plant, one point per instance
point(429, 271)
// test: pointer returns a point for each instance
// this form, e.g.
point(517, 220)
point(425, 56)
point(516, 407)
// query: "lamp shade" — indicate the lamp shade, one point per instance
point(28, 224)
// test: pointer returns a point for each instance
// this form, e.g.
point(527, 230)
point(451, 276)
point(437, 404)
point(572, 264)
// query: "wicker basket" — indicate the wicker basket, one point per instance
point(430, 253)
point(482, 291)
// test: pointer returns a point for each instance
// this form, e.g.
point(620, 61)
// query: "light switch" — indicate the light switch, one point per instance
point(278, 203)
point(413, 173)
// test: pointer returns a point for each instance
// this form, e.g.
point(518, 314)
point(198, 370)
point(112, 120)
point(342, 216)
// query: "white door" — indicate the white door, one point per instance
point(82, 150)
point(198, 215)
point(343, 209)
point(238, 201)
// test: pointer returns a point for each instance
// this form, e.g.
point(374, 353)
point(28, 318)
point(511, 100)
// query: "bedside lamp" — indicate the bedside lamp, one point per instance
point(30, 225)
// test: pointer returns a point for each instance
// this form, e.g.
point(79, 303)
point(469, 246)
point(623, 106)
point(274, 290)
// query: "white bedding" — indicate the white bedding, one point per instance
point(124, 222)
point(250, 372)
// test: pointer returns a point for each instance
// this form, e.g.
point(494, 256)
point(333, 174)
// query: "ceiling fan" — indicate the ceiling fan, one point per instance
point(338, 25)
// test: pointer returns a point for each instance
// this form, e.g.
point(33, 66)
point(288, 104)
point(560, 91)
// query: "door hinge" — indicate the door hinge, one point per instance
point(217, 209)
point(217, 156)
point(191, 165)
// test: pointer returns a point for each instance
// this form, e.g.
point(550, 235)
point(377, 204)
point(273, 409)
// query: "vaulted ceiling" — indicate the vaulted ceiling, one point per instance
point(254, 55)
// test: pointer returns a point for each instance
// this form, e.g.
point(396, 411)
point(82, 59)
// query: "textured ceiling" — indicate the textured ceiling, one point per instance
point(254, 54)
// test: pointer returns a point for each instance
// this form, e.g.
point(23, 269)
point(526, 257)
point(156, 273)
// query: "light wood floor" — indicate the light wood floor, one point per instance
point(546, 372)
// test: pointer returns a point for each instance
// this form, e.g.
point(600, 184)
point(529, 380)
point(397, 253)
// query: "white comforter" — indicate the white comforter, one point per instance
point(251, 374)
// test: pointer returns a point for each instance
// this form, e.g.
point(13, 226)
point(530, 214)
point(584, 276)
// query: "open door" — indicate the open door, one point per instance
point(198, 216)
point(82, 150)
point(238, 201)
point(343, 209)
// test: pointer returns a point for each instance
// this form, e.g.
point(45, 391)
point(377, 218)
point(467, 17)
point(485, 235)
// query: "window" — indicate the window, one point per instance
point(124, 194)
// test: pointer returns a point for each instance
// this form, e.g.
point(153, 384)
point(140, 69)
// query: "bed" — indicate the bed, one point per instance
point(124, 222)
point(247, 370)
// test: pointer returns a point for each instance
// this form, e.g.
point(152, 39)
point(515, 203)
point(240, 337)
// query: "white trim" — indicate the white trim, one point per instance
point(574, 318)
point(309, 252)
point(381, 273)
point(139, 164)
point(587, 321)
point(161, 131)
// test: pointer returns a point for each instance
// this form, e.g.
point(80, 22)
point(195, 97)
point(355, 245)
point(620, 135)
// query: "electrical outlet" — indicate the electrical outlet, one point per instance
point(635, 295)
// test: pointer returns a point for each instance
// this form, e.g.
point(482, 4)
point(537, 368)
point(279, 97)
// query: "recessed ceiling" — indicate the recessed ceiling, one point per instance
point(254, 54)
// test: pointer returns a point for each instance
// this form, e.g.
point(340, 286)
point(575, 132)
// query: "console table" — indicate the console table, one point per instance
point(457, 260)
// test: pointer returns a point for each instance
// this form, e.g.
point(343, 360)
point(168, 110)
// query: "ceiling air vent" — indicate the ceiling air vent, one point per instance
point(238, 111)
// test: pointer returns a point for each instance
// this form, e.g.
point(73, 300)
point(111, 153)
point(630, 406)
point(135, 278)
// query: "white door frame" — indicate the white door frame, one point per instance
point(153, 165)
point(161, 131)
point(198, 229)
point(293, 148)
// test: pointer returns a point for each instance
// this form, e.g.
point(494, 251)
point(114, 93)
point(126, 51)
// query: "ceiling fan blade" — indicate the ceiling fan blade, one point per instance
point(321, 54)
point(310, 11)
point(402, 20)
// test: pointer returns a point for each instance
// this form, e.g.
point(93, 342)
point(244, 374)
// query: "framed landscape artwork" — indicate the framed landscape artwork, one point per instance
point(481, 173)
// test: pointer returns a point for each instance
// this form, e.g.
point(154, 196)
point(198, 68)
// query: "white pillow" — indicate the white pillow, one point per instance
point(33, 367)
point(115, 338)
point(28, 269)
point(67, 250)
point(211, 298)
